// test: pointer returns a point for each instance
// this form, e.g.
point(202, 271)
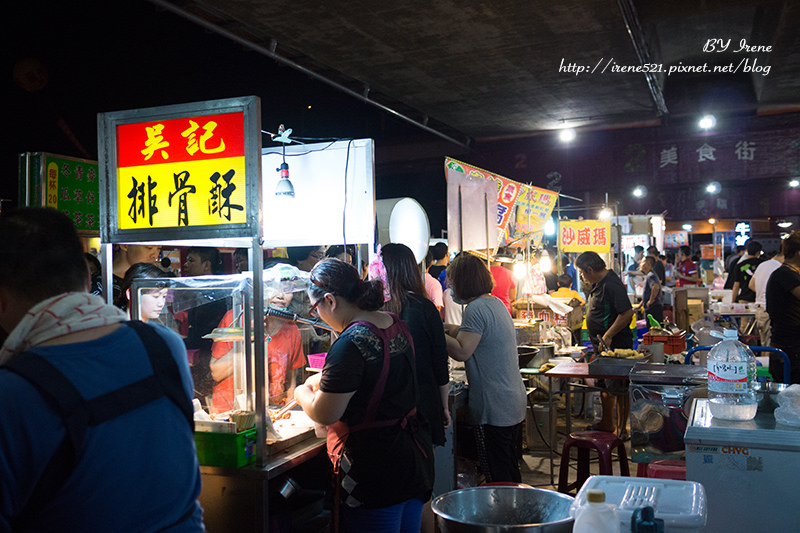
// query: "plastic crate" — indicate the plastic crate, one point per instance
point(316, 360)
point(228, 450)
point(672, 343)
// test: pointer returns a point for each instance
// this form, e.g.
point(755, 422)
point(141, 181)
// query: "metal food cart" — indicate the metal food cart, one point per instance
point(191, 175)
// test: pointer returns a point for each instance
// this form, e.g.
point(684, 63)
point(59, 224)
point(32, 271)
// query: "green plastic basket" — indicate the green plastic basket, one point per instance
point(228, 450)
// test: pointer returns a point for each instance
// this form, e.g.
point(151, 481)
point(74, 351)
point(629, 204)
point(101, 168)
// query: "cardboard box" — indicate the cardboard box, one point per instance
point(707, 251)
point(696, 310)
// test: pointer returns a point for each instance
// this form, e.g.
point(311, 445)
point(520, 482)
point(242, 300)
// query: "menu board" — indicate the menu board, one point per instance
point(64, 183)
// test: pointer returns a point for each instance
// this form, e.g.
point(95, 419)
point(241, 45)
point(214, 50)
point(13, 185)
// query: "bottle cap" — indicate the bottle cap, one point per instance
point(730, 334)
point(595, 496)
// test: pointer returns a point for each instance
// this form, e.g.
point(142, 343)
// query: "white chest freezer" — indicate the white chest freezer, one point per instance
point(750, 470)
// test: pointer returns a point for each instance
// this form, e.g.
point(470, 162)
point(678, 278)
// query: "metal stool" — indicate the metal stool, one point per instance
point(601, 441)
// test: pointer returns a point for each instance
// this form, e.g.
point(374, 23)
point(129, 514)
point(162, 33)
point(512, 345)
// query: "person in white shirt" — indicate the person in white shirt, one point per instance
point(758, 284)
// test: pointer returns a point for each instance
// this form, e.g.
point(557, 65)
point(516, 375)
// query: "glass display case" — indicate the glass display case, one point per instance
point(209, 314)
point(214, 316)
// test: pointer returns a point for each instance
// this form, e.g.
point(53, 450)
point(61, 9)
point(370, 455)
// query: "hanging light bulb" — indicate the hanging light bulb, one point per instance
point(284, 188)
point(544, 262)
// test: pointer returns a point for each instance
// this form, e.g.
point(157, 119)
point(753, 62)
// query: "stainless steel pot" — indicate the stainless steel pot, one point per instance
point(527, 331)
point(529, 357)
point(547, 350)
point(502, 510)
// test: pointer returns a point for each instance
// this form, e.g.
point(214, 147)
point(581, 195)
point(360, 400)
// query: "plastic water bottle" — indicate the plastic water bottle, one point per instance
point(596, 516)
point(731, 378)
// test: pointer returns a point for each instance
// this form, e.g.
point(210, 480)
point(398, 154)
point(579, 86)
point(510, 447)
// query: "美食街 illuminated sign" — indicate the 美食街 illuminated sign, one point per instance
point(181, 172)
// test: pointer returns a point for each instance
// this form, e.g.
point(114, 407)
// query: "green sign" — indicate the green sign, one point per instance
point(64, 183)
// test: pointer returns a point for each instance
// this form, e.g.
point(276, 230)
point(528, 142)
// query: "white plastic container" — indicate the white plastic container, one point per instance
point(595, 515)
point(680, 504)
point(731, 379)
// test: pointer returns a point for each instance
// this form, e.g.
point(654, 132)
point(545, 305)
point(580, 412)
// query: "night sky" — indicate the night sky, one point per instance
point(67, 61)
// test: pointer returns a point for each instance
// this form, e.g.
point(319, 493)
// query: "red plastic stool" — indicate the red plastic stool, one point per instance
point(601, 441)
point(667, 469)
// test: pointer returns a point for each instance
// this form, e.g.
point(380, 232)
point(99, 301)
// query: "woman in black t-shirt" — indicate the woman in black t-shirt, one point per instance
point(366, 395)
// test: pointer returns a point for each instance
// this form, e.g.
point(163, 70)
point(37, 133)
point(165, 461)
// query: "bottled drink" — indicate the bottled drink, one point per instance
point(731, 378)
point(596, 516)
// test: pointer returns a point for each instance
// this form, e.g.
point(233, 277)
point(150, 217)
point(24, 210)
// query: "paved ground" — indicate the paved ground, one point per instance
point(535, 461)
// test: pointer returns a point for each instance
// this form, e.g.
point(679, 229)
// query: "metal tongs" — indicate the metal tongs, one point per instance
point(603, 344)
point(285, 409)
point(286, 315)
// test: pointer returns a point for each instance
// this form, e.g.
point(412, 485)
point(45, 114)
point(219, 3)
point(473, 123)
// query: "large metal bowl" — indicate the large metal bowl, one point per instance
point(503, 509)
point(528, 357)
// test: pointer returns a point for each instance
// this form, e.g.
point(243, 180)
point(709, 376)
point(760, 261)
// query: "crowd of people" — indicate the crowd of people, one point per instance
point(382, 392)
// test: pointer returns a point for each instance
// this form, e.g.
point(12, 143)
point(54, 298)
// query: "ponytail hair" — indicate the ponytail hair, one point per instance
point(341, 279)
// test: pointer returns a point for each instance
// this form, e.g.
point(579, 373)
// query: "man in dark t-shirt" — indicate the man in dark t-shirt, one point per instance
point(743, 272)
point(440, 259)
point(658, 266)
point(783, 307)
point(610, 311)
point(609, 316)
point(730, 262)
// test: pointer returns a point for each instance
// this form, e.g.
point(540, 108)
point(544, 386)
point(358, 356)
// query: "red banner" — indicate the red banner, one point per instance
point(180, 140)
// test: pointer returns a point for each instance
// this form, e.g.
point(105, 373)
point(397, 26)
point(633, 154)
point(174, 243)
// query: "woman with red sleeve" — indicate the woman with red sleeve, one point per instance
point(284, 355)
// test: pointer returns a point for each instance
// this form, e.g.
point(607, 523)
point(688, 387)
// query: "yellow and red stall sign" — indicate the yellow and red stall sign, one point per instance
point(534, 207)
point(584, 236)
point(181, 172)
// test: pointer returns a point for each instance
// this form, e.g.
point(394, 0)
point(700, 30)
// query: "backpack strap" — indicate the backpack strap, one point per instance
point(165, 369)
point(64, 399)
point(385, 335)
point(78, 414)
